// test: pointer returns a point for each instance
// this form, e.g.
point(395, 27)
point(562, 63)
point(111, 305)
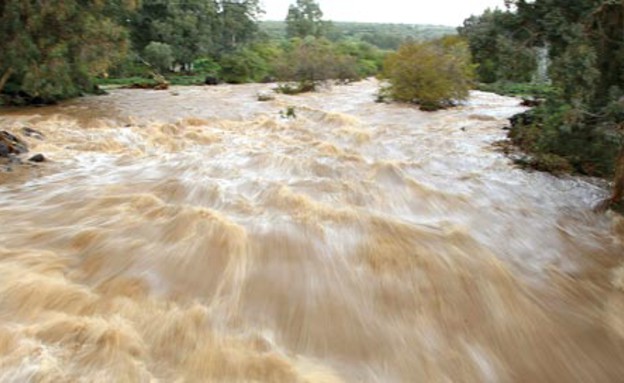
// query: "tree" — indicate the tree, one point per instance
point(237, 23)
point(305, 18)
point(52, 50)
point(159, 55)
point(187, 26)
point(243, 65)
point(311, 61)
point(497, 44)
point(582, 122)
point(432, 74)
point(308, 61)
point(195, 28)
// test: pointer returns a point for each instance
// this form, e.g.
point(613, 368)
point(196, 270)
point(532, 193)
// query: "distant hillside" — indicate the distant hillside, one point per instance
point(385, 36)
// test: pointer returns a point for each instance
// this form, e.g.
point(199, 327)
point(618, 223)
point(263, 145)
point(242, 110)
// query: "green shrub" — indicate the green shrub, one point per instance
point(311, 61)
point(206, 66)
point(242, 66)
point(433, 74)
point(553, 134)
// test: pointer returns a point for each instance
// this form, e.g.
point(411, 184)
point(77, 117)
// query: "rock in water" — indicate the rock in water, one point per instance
point(37, 158)
point(4, 150)
point(211, 80)
point(531, 102)
point(13, 144)
point(30, 132)
point(266, 96)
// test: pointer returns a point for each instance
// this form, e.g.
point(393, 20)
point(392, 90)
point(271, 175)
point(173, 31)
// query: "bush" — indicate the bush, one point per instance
point(206, 66)
point(159, 55)
point(311, 61)
point(433, 74)
point(242, 66)
point(553, 134)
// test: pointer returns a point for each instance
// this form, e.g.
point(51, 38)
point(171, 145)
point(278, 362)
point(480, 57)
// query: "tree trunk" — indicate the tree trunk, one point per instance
point(5, 77)
point(618, 187)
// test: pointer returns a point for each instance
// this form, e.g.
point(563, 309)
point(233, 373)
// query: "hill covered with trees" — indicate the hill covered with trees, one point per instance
point(382, 35)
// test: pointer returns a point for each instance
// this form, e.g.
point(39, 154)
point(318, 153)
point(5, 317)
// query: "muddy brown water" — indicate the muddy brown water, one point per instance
point(195, 235)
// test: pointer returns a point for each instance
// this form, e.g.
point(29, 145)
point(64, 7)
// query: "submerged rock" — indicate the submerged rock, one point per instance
point(266, 96)
point(37, 158)
point(4, 150)
point(211, 80)
point(11, 147)
point(161, 86)
point(148, 85)
point(30, 132)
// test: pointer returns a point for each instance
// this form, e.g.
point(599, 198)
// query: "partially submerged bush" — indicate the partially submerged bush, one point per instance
point(292, 88)
point(311, 61)
point(242, 66)
point(433, 74)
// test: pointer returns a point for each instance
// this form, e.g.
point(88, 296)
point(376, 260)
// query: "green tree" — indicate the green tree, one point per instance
point(159, 55)
point(497, 43)
point(367, 59)
point(305, 18)
point(195, 28)
point(188, 27)
point(242, 66)
point(433, 74)
point(582, 122)
point(237, 23)
point(52, 50)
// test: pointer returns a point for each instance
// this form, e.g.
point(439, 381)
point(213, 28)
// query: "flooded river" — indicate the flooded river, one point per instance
point(195, 235)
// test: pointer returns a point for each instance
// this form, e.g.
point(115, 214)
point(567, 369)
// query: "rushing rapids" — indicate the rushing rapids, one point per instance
point(197, 236)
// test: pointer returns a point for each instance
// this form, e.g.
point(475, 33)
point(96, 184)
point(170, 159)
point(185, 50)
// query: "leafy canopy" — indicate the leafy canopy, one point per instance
point(305, 18)
point(433, 74)
point(52, 50)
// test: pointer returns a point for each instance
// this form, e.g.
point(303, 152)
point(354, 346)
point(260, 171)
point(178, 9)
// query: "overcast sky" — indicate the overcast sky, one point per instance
point(442, 12)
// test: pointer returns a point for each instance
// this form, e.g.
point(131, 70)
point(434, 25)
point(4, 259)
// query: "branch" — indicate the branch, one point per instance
point(5, 77)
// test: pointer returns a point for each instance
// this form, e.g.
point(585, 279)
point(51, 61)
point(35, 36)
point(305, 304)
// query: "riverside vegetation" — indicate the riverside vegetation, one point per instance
point(579, 125)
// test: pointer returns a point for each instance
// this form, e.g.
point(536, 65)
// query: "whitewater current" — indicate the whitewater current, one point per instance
point(198, 235)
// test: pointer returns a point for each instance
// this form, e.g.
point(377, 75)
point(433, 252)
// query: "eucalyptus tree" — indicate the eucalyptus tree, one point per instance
point(52, 50)
point(305, 18)
point(583, 121)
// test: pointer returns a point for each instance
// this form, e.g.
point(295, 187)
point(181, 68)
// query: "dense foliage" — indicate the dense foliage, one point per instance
point(228, 46)
point(55, 50)
point(194, 28)
point(580, 124)
point(495, 40)
point(433, 74)
point(52, 50)
point(305, 18)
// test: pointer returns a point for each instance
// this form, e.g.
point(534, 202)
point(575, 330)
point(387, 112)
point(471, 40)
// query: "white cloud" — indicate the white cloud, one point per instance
point(443, 12)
